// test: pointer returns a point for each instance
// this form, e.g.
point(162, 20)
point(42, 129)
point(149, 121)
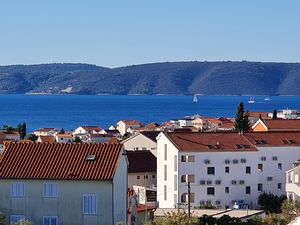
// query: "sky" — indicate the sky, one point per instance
point(116, 33)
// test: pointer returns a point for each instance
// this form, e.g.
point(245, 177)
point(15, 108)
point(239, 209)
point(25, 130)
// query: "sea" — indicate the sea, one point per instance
point(72, 111)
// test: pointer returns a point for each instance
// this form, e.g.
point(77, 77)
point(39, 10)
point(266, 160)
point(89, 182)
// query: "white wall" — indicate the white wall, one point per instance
point(141, 142)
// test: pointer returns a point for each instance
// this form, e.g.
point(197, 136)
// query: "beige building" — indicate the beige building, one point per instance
point(63, 183)
point(142, 169)
point(124, 125)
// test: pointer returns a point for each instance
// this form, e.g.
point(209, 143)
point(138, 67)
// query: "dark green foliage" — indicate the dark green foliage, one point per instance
point(155, 78)
point(227, 220)
point(31, 137)
point(274, 117)
point(9, 128)
point(271, 203)
point(207, 220)
point(241, 123)
point(290, 210)
point(77, 139)
point(21, 128)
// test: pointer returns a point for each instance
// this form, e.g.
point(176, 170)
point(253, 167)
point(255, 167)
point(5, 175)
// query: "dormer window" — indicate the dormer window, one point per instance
point(260, 142)
point(288, 142)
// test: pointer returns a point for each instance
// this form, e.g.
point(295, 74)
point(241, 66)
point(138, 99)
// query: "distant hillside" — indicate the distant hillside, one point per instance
point(212, 78)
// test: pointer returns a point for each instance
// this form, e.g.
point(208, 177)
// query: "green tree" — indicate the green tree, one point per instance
point(227, 220)
point(254, 221)
point(77, 139)
point(2, 219)
point(207, 220)
point(290, 210)
point(241, 123)
point(21, 128)
point(271, 203)
point(179, 218)
point(31, 137)
point(273, 219)
point(9, 128)
point(274, 117)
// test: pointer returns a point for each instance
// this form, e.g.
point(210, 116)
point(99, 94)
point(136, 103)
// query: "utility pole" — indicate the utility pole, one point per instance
point(189, 200)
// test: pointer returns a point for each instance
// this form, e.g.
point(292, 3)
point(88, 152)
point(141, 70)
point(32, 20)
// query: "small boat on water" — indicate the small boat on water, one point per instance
point(195, 99)
point(251, 100)
point(267, 99)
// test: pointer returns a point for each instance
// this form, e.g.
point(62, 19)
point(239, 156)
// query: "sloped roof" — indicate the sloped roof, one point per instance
point(210, 142)
point(91, 128)
point(151, 135)
point(264, 139)
point(141, 161)
point(282, 124)
point(47, 138)
point(131, 122)
point(45, 129)
point(65, 161)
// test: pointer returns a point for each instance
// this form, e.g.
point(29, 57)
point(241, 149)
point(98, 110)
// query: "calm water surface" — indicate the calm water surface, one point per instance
point(71, 111)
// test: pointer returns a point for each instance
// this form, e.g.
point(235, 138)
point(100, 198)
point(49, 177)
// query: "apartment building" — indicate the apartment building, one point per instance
point(223, 168)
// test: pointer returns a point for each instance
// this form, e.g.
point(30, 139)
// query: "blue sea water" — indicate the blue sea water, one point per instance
point(71, 111)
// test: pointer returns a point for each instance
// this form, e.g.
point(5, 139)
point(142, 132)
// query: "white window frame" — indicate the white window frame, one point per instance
point(16, 218)
point(50, 190)
point(91, 204)
point(17, 189)
point(50, 222)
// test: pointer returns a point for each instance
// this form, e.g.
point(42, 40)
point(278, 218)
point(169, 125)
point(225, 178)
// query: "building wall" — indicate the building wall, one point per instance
point(140, 142)
point(259, 127)
point(237, 171)
point(68, 206)
point(120, 191)
point(133, 180)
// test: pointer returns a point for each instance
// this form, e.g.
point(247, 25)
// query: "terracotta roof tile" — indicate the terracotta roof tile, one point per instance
point(141, 161)
point(152, 135)
point(131, 122)
point(46, 129)
point(92, 128)
point(66, 161)
point(265, 139)
point(211, 142)
point(284, 125)
point(47, 138)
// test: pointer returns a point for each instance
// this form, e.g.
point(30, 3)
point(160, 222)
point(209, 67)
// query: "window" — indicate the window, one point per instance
point(269, 178)
point(50, 220)
point(227, 190)
point(248, 170)
point(175, 182)
point(210, 191)
point(280, 166)
point(263, 158)
point(175, 163)
point(165, 192)
point(50, 190)
point(279, 186)
point(206, 161)
point(165, 172)
point(274, 158)
point(138, 177)
point(17, 189)
point(191, 158)
point(183, 158)
point(243, 160)
point(260, 167)
point(185, 197)
point(235, 161)
point(226, 169)
point(248, 190)
point(144, 148)
point(153, 176)
point(259, 187)
point(146, 177)
point(187, 178)
point(210, 170)
point(175, 199)
point(166, 153)
point(16, 218)
point(90, 204)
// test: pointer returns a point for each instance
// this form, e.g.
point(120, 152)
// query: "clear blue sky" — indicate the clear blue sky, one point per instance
point(114, 33)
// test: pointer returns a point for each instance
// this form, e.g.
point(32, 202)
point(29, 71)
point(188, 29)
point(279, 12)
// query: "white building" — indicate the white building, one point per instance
point(293, 182)
point(223, 168)
point(45, 132)
point(124, 125)
point(145, 140)
point(70, 183)
point(63, 138)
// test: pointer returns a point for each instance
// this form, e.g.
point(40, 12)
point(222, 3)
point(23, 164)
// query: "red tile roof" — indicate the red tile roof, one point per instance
point(65, 161)
point(282, 125)
point(46, 129)
point(211, 142)
point(258, 114)
point(92, 128)
point(47, 138)
point(141, 161)
point(265, 139)
point(131, 122)
point(64, 135)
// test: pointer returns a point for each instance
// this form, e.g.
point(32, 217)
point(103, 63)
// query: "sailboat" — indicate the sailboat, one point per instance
point(267, 99)
point(251, 100)
point(195, 99)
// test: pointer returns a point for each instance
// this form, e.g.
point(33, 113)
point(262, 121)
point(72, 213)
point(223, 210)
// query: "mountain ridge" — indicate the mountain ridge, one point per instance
point(183, 78)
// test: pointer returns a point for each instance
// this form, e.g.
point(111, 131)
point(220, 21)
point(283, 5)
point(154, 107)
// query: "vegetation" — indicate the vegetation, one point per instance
point(241, 123)
point(23, 222)
point(274, 117)
point(271, 203)
point(20, 128)
point(77, 139)
point(2, 219)
point(156, 78)
point(62, 131)
point(31, 137)
point(290, 210)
